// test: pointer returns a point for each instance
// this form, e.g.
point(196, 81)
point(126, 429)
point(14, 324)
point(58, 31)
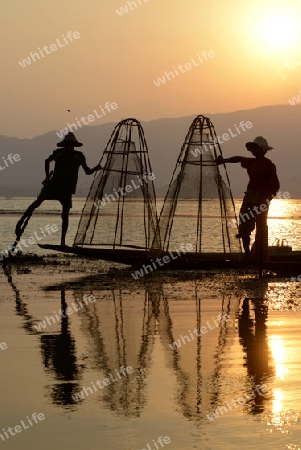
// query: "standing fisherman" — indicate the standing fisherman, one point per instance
point(61, 183)
point(262, 187)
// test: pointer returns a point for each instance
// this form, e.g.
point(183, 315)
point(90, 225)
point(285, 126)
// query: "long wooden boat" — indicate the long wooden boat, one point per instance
point(289, 263)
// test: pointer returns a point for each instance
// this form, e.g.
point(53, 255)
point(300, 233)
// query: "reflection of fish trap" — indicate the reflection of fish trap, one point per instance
point(199, 208)
point(120, 210)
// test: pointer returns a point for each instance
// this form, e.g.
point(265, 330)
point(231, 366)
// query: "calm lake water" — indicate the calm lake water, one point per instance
point(230, 384)
point(284, 222)
point(213, 361)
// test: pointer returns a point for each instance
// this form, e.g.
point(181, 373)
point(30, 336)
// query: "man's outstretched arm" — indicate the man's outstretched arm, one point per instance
point(233, 159)
point(87, 169)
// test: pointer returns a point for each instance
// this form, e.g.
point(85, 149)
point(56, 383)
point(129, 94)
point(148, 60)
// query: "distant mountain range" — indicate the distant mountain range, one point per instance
point(279, 124)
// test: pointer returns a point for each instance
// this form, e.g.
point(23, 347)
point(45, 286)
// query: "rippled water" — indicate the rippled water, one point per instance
point(213, 360)
point(244, 369)
point(284, 222)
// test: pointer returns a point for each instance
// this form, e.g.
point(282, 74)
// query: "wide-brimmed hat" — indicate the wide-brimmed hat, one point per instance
point(69, 140)
point(261, 142)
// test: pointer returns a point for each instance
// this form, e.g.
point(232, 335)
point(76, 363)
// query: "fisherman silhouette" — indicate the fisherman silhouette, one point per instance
point(262, 187)
point(60, 183)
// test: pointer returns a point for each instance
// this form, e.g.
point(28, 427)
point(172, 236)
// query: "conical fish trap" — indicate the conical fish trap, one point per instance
point(120, 210)
point(198, 208)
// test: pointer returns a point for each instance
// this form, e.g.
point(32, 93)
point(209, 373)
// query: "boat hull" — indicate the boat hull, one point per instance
point(290, 263)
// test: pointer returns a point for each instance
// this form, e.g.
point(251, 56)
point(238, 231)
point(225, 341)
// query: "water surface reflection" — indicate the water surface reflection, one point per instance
point(186, 361)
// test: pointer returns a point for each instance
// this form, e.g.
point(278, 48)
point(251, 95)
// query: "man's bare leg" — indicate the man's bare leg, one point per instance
point(246, 245)
point(27, 215)
point(261, 237)
point(65, 224)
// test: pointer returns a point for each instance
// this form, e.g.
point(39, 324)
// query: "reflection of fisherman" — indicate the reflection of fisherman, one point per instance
point(58, 350)
point(59, 357)
point(253, 338)
point(262, 187)
point(62, 184)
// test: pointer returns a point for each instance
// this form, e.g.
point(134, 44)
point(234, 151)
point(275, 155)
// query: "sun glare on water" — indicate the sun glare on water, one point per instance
point(277, 347)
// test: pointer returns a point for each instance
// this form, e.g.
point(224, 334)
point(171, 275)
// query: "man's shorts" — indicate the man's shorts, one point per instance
point(248, 217)
point(50, 193)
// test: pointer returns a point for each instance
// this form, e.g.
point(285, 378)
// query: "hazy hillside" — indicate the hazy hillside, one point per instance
point(279, 124)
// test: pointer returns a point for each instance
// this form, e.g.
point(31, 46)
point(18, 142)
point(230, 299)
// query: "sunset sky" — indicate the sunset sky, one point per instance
point(116, 58)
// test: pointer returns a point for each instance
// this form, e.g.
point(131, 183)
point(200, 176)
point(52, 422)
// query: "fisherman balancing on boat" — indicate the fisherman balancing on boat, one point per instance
point(60, 183)
point(262, 187)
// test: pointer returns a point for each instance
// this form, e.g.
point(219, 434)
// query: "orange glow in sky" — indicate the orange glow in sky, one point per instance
point(119, 55)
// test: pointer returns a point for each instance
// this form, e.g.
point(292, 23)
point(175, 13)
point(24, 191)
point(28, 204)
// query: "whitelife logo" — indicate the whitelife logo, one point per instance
point(86, 391)
point(161, 440)
point(90, 118)
point(221, 318)
point(243, 126)
point(63, 313)
point(294, 279)
point(11, 159)
point(48, 49)
point(129, 4)
point(30, 241)
point(3, 346)
point(220, 410)
point(258, 209)
point(108, 198)
point(295, 100)
point(36, 417)
point(183, 68)
point(166, 259)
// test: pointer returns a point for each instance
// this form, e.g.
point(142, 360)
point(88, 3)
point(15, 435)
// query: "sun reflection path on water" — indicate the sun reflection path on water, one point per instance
point(282, 418)
point(278, 352)
point(284, 222)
